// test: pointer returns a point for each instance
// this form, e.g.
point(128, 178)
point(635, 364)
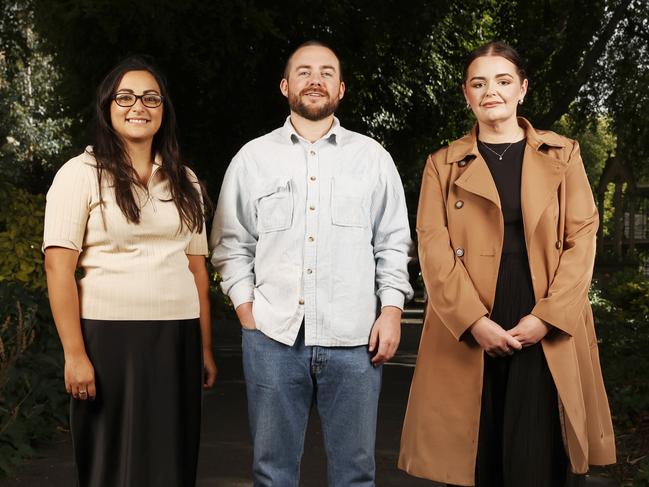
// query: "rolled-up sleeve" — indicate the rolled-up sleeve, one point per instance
point(391, 237)
point(67, 207)
point(234, 238)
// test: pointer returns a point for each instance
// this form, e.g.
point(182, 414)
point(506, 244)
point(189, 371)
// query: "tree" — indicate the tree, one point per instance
point(618, 88)
point(33, 124)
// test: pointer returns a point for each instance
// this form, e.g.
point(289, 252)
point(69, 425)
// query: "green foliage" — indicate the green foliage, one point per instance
point(619, 89)
point(642, 478)
point(621, 306)
point(220, 303)
point(403, 63)
point(32, 397)
point(21, 234)
point(34, 128)
point(596, 138)
point(621, 310)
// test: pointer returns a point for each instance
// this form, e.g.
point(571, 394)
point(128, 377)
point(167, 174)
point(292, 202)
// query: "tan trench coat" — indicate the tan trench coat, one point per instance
point(459, 249)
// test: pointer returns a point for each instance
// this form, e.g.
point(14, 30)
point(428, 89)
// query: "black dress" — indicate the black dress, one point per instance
point(520, 442)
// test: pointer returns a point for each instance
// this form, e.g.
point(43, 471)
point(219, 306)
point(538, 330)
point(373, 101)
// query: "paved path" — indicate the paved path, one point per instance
point(225, 454)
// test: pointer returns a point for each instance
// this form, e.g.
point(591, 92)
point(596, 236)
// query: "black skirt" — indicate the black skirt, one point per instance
point(143, 428)
point(520, 441)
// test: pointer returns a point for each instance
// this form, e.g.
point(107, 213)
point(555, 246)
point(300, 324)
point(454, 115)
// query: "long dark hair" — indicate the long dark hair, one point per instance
point(496, 48)
point(111, 156)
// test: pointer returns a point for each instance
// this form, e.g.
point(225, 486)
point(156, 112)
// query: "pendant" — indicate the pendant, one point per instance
point(500, 158)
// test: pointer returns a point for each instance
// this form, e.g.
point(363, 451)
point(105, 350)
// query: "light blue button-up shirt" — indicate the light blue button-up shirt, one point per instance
point(313, 231)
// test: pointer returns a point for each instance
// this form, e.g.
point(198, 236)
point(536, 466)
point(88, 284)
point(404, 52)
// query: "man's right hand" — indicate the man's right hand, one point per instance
point(493, 339)
point(244, 313)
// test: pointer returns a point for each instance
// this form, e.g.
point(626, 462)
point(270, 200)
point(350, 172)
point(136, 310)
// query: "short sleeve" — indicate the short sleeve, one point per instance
point(67, 207)
point(198, 243)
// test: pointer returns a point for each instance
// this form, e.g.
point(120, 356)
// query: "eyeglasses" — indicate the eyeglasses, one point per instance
point(149, 100)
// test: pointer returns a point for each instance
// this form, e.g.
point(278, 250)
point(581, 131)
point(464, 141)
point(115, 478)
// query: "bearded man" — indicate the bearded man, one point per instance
point(311, 238)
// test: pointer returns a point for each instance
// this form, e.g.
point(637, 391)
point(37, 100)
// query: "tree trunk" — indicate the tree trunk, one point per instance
point(601, 196)
point(618, 219)
point(631, 206)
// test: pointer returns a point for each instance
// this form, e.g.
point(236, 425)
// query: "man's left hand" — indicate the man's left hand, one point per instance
point(385, 335)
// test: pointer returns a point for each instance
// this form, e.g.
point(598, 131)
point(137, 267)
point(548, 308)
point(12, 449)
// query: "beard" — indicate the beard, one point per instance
point(312, 112)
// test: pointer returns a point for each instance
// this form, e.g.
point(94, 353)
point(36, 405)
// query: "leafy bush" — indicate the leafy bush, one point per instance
point(621, 306)
point(21, 233)
point(32, 396)
point(642, 478)
point(621, 309)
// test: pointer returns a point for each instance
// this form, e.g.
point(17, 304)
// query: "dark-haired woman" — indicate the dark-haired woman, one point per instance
point(135, 328)
point(508, 390)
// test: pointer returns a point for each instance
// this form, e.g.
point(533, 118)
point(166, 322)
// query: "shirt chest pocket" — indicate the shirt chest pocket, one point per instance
point(349, 203)
point(275, 207)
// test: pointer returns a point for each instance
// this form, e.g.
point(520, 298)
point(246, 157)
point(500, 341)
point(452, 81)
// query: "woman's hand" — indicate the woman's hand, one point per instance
point(529, 330)
point(209, 369)
point(493, 339)
point(80, 377)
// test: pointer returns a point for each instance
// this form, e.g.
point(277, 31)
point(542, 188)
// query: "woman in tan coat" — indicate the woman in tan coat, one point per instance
point(507, 390)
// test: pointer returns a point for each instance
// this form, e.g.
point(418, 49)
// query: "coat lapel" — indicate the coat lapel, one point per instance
point(540, 180)
point(542, 175)
point(477, 179)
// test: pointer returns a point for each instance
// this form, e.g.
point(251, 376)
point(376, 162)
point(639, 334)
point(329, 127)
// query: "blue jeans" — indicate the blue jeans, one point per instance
point(283, 382)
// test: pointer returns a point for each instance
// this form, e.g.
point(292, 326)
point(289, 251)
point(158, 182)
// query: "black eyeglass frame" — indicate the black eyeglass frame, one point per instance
point(137, 97)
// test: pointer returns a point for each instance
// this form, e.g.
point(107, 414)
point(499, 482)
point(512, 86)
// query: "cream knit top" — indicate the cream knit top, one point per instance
point(130, 271)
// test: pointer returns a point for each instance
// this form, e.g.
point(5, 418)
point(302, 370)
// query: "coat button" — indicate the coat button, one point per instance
point(301, 301)
point(462, 163)
point(459, 252)
point(459, 204)
point(558, 244)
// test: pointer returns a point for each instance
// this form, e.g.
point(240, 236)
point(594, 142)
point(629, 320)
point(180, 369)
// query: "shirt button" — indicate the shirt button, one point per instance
point(311, 239)
point(312, 208)
point(462, 163)
point(312, 178)
point(309, 271)
point(301, 301)
point(459, 204)
point(312, 152)
point(558, 244)
point(459, 252)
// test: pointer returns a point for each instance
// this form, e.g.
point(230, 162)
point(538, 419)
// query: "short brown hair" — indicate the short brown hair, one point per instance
point(312, 42)
point(496, 48)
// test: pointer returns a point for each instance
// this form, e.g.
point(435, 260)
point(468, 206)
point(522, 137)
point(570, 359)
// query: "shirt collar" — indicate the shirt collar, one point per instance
point(333, 134)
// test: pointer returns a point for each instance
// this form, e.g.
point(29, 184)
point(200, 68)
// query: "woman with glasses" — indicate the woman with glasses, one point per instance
point(508, 389)
point(135, 325)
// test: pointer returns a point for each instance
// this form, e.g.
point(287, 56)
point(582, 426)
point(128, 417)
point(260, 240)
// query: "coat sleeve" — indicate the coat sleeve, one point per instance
point(450, 290)
point(568, 291)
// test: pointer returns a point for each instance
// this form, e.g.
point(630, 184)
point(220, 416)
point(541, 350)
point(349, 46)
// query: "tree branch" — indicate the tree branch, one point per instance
point(590, 60)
